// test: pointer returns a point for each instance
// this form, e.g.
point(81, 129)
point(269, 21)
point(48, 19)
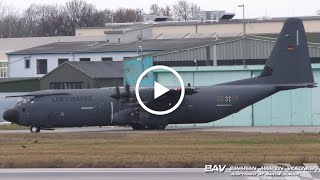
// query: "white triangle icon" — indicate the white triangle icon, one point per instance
point(159, 90)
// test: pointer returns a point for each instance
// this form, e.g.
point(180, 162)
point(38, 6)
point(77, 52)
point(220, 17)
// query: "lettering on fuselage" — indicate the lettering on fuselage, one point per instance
point(72, 99)
point(227, 99)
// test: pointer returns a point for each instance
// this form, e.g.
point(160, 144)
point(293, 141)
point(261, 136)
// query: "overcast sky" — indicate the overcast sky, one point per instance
point(253, 8)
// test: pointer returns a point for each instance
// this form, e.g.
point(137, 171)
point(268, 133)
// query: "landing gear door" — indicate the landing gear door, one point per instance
point(186, 109)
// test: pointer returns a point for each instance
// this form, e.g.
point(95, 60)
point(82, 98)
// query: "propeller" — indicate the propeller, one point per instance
point(118, 95)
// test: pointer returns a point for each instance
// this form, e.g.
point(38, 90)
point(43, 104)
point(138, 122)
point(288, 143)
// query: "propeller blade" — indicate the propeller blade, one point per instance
point(117, 94)
point(127, 88)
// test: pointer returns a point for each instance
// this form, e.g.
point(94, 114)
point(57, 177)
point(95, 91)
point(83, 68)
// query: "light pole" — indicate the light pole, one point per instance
point(244, 34)
point(196, 62)
point(243, 21)
point(141, 19)
point(140, 52)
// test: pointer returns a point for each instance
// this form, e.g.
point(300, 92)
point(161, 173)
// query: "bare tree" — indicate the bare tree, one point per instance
point(194, 11)
point(166, 11)
point(44, 20)
point(2, 11)
point(82, 14)
point(155, 9)
point(108, 15)
point(181, 10)
point(53, 20)
point(123, 15)
point(9, 22)
point(11, 26)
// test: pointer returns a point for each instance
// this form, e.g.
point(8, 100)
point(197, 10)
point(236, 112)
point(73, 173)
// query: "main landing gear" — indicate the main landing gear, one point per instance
point(34, 129)
point(141, 127)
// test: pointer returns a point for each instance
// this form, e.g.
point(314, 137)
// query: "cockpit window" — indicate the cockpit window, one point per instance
point(25, 100)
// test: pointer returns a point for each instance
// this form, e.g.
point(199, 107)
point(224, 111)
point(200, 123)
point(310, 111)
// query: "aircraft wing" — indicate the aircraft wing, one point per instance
point(161, 103)
point(39, 94)
point(168, 99)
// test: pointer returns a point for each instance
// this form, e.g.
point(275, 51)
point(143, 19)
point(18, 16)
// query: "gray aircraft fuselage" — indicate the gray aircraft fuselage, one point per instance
point(96, 107)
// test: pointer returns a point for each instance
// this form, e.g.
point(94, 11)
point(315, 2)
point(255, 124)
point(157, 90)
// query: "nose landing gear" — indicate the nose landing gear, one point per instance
point(34, 129)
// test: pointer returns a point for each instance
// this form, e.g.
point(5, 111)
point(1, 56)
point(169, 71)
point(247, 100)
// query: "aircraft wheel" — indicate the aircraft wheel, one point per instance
point(136, 127)
point(161, 127)
point(34, 129)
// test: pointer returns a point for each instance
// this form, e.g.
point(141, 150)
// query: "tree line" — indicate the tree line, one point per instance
point(61, 20)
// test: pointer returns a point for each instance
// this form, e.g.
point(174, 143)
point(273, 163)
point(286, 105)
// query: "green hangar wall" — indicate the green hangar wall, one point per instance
point(299, 107)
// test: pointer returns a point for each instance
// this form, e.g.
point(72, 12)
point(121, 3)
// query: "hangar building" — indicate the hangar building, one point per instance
point(228, 61)
point(82, 75)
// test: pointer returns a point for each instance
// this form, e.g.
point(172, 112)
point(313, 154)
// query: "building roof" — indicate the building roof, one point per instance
point(269, 38)
point(16, 44)
point(127, 28)
point(95, 69)
point(234, 21)
point(150, 45)
point(138, 25)
point(99, 69)
point(9, 80)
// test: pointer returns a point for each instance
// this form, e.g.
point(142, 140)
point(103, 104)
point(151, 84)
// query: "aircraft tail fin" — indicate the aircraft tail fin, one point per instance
point(289, 62)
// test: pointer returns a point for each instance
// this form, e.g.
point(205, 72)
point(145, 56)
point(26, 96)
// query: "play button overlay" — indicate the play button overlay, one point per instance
point(159, 90)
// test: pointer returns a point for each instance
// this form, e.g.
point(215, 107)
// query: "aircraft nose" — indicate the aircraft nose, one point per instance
point(11, 115)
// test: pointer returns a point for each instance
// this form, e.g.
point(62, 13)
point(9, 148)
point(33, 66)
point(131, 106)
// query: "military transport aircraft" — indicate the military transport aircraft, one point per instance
point(288, 67)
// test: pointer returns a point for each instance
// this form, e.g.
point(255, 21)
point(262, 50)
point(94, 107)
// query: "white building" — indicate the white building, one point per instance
point(37, 65)
point(38, 61)
point(8, 45)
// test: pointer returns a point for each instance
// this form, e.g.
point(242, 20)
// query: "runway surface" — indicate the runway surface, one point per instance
point(279, 129)
point(99, 174)
point(138, 174)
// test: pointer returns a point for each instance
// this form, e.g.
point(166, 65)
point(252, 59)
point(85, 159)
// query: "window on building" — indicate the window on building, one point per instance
point(3, 69)
point(84, 59)
point(66, 85)
point(42, 66)
point(107, 59)
point(127, 58)
point(61, 61)
point(119, 40)
point(27, 63)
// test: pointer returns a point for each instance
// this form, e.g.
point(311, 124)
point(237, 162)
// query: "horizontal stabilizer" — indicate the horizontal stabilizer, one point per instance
point(295, 86)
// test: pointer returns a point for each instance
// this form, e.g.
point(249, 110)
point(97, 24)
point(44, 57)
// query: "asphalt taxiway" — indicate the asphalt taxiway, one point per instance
point(97, 174)
point(269, 129)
